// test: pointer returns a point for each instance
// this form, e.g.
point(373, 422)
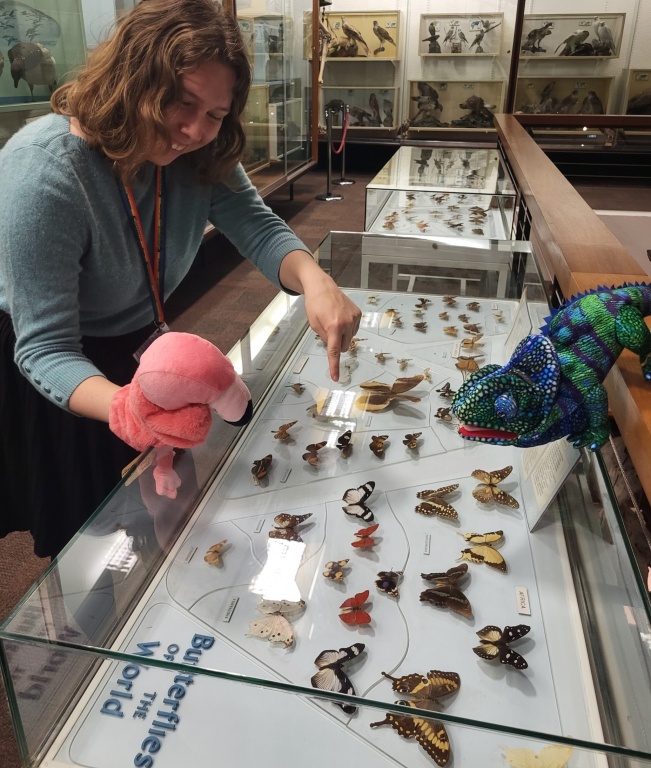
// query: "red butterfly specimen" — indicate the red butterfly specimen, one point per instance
point(364, 538)
point(312, 455)
point(352, 611)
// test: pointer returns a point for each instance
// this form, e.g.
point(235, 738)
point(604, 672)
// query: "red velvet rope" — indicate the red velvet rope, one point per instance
point(343, 135)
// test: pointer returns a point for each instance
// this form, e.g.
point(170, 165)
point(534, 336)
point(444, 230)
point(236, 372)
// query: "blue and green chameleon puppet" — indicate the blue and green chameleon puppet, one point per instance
point(552, 385)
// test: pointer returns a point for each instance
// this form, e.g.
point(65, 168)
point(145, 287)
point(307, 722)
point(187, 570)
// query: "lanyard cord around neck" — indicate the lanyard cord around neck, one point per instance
point(154, 267)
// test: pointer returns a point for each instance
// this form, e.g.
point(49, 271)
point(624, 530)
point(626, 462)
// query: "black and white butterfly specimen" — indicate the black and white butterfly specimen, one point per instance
point(334, 570)
point(214, 555)
point(473, 306)
point(282, 433)
point(274, 625)
point(377, 395)
point(355, 499)
point(489, 491)
point(435, 504)
point(312, 455)
point(387, 582)
point(377, 444)
point(411, 440)
point(430, 734)
point(446, 391)
point(261, 468)
point(494, 644)
point(285, 524)
point(344, 444)
point(471, 327)
point(481, 550)
point(331, 676)
point(446, 592)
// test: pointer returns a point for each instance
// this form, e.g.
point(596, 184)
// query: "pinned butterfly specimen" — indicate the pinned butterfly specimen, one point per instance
point(334, 570)
point(377, 395)
point(430, 734)
point(274, 625)
point(418, 313)
point(312, 455)
point(471, 327)
point(352, 347)
point(444, 316)
point(467, 364)
point(387, 582)
point(488, 489)
point(411, 441)
point(450, 330)
point(423, 303)
point(381, 357)
point(472, 342)
point(344, 444)
point(422, 326)
point(283, 431)
point(499, 316)
point(551, 756)
point(478, 231)
point(446, 391)
point(214, 555)
point(397, 322)
point(372, 299)
point(482, 551)
point(297, 387)
point(403, 362)
point(352, 610)
point(450, 301)
point(427, 375)
point(422, 225)
point(446, 593)
point(464, 318)
point(364, 538)
point(494, 644)
point(435, 504)
point(377, 444)
point(331, 676)
point(285, 524)
point(473, 306)
point(355, 501)
point(444, 414)
point(261, 468)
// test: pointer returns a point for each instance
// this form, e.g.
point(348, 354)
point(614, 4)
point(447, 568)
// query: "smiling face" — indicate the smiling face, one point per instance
point(206, 94)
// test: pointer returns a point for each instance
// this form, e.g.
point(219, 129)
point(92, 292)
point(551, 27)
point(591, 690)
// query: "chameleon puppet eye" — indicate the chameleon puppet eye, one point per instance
point(506, 407)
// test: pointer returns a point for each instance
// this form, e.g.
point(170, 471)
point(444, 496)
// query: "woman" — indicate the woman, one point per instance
point(103, 216)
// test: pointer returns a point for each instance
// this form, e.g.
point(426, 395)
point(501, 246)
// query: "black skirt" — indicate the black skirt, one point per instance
point(56, 468)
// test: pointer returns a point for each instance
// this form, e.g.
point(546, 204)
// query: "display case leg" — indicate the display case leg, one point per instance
point(329, 195)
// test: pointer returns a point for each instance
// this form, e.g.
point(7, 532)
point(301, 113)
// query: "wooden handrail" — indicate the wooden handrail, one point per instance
point(580, 253)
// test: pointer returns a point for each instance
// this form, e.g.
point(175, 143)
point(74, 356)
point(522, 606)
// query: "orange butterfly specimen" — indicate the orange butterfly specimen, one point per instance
point(488, 491)
point(435, 504)
point(283, 431)
point(411, 440)
point(352, 609)
point(285, 524)
point(312, 455)
point(444, 316)
point(261, 468)
point(473, 342)
point(450, 301)
point(473, 306)
point(467, 364)
point(344, 444)
point(214, 555)
point(377, 395)
point(377, 444)
point(464, 319)
point(471, 327)
point(364, 537)
point(450, 330)
point(422, 326)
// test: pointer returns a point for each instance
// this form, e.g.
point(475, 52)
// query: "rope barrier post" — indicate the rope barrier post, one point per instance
point(343, 181)
point(328, 195)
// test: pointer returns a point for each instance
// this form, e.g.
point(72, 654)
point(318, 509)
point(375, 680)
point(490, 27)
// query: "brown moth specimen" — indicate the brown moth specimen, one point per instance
point(444, 316)
point(381, 357)
point(261, 468)
point(312, 455)
point(283, 431)
point(411, 440)
point(464, 318)
point(214, 555)
point(471, 327)
point(450, 300)
point(377, 444)
point(422, 326)
point(473, 342)
point(377, 395)
point(473, 306)
point(444, 414)
point(435, 504)
point(297, 387)
point(446, 592)
point(403, 362)
point(450, 330)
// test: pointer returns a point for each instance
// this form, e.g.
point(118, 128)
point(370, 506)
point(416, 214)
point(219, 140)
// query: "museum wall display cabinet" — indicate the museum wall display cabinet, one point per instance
point(345, 551)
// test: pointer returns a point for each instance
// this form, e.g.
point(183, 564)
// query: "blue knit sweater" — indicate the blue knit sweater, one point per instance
point(69, 263)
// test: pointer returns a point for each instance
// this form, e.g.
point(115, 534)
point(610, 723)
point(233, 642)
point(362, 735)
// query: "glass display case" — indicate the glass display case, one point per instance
point(298, 593)
point(564, 95)
point(461, 192)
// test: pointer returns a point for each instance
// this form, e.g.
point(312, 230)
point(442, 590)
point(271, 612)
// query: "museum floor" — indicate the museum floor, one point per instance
point(222, 296)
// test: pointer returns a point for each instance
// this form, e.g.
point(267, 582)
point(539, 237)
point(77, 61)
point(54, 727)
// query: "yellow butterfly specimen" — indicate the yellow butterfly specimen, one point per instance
point(435, 504)
point(552, 756)
point(488, 491)
point(472, 342)
point(450, 330)
point(214, 555)
point(377, 395)
point(422, 225)
point(389, 225)
point(283, 431)
point(274, 625)
point(411, 440)
point(430, 734)
point(482, 551)
point(372, 299)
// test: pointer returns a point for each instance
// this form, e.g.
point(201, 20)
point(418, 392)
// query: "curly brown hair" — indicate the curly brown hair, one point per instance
point(120, 95)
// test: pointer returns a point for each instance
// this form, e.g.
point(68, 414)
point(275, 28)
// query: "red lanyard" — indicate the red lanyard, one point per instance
point(154, 267)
